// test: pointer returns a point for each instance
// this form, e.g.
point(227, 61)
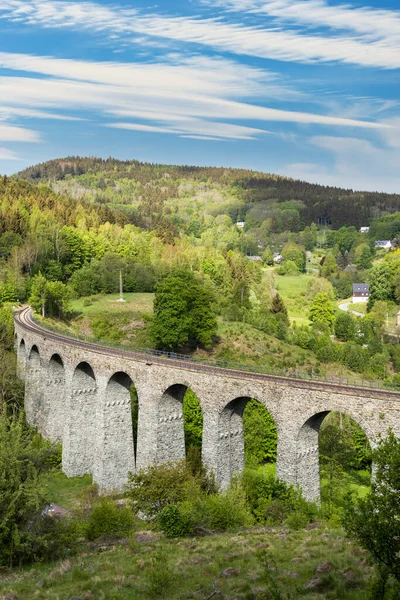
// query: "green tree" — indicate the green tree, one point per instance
point(193, 420)
point(21, 495)
point(260, 435)
point(309, 237)
point(365, 259)
point(344, 326)
point(268, 256)
point(319, 284)
point(354, 357)
point(241, 294)
point(322, 310)
point(374, 521)
point(39, 293)
point(58, 297)
point(337, 456)
point(329, 267)
point(182, 312)
point(381, 285)
point(85, 281)
point(296, 254)
point(279, 307)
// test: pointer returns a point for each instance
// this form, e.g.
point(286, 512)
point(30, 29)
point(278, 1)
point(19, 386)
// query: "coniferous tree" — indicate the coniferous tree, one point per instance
point(278, 307)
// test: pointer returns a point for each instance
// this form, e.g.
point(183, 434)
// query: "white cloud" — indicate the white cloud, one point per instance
point(365, 21)
point(358, 164)
point(377, 46)
point(198, 128)
point(185, 97)
point(6, 154)
point(11, 133)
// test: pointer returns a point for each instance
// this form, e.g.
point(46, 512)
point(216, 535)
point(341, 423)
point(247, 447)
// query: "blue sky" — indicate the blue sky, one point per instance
point(304, 88)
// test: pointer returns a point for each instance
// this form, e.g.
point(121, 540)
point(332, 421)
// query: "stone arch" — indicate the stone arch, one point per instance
point(117, 454)
point(231, 446)
point(79, 451)
point(33, 387)
point(307, 455)
point(54, 409)
point(171, 429)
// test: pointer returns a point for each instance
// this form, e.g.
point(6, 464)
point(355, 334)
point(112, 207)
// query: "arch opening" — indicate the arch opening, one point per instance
point(34, 354)
point(333, 457)
point(247, 437)
point(180, 426)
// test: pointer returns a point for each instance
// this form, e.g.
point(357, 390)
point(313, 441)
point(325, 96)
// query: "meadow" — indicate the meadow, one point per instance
point(314, 563)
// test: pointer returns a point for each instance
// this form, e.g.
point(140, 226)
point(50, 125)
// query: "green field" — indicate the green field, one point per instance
point(293, 289)
point(108, 304)
point(236, 565)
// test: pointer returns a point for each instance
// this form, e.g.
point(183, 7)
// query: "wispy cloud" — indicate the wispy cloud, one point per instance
point(6, 154)
point(357, 163)
point(315, 14)
point(195, 96)
point(11, 133)
point(377, 43)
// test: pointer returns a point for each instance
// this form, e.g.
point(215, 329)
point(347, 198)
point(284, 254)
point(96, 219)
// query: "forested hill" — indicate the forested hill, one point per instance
point(144, 191)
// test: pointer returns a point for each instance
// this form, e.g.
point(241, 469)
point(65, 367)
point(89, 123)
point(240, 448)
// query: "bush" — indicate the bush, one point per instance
point(175, 522)
point(161, 576)
point(354, 357)
point(25, 535)
point(344, 327)
point(298, 520)
point(107, 519)
point(272, 499)
point(151, 489)
point(227, 511)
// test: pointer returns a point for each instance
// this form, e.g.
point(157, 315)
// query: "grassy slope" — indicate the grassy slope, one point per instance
point(238, 342)
point(293, 291)
point(193, 568)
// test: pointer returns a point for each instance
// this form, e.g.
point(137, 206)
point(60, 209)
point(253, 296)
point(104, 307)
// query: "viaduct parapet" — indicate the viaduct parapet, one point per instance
point(79, 393)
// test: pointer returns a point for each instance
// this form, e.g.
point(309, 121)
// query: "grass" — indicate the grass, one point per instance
point(229, 565)
point(64, 491)
point(108, 305)
point(293, 290)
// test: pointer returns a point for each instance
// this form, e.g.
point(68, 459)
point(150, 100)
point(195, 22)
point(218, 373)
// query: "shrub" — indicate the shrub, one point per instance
point(344, 326)
point(175, 522)
point(227, 511)
point(353, 357)
point(298, 520)
point(271, 498)
point(270, 512)
point(107, 519)
point(161, 576)
point(151, 489)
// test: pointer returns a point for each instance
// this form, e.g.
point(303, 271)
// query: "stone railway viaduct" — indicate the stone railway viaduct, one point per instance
point(79, 393)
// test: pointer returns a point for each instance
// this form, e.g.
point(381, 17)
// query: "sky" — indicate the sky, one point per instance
point(303, 88)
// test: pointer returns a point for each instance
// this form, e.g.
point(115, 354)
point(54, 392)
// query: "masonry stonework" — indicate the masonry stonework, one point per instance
point(79, 393)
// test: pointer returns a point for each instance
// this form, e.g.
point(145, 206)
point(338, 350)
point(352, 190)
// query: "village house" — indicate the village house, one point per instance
point(385, 244)
point(360, 292)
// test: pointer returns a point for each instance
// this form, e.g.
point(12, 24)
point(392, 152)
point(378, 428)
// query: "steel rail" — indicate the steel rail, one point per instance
point(25, 320)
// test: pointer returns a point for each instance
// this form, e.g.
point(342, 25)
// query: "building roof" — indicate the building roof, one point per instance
point(360, 288)
point(382, 243)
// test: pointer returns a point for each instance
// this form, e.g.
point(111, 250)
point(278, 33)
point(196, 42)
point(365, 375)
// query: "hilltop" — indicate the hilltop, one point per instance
point(149, 194)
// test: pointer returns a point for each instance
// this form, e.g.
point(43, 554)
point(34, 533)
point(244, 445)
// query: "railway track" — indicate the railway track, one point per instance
point(25, 320)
